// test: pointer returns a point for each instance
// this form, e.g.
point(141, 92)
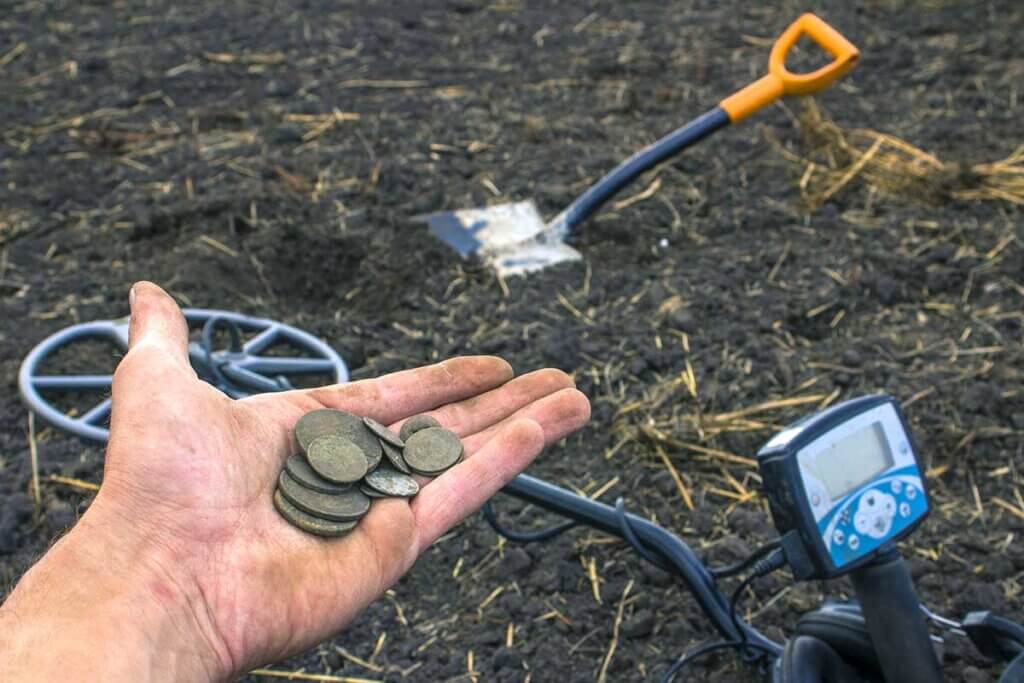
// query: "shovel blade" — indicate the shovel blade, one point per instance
point(489, 228)
point(512, 239)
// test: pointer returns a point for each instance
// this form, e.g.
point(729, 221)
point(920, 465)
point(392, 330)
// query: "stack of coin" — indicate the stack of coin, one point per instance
point(346, 461)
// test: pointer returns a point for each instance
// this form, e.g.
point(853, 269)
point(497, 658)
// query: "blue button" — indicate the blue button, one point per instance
point(854, 542)
point(896, 485)
point(911, 493)
point(838, 536)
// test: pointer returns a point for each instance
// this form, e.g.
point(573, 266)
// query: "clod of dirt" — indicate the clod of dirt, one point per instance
point(654, 576)
point(639, 625)
point(286, 135)
point(851, 358)
point(731, 549)
point(977, 595)
point(17, 509)
point(517, 561)
point(751, 523)
point(60, 515)
point(506, 658)
point(703, 520)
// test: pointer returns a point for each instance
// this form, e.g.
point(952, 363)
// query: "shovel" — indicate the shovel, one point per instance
point(513, 238)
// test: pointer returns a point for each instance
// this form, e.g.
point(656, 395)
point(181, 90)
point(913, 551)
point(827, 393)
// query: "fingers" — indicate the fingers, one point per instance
point(410, 392)
point(558, 414)
point(493, 458)
point(464, 488)
point(480, 412)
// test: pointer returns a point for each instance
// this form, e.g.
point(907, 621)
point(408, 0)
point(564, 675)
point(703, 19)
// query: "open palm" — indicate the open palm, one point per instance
point(195, 471)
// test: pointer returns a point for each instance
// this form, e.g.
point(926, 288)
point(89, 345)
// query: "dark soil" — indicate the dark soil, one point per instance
point(134, 135)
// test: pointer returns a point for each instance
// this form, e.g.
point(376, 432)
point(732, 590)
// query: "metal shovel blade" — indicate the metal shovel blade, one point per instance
point(512, 238)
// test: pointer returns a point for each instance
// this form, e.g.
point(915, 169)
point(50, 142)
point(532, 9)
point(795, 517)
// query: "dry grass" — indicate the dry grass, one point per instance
point(836, 158)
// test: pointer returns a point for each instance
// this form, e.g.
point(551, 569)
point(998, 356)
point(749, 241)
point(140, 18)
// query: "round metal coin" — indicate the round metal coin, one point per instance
point(433, 450)
point(328, 421)
point(415, 424)
point(301, 472)
point(336, 507)
point(372, 493)
point(372, 461)
point(309, 523)
point(321, 422)
point(337, 459)
point(394, 456)
point(392, 482)
point(383, 433)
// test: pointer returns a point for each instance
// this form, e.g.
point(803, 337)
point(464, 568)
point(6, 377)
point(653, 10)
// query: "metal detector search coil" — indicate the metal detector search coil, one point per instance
point(240, 370)
point(844, 485)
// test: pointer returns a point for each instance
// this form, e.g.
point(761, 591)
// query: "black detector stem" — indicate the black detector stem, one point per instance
point(895, 621)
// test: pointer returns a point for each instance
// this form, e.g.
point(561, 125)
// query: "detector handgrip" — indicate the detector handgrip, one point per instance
point(896, 622)
point(781, 81)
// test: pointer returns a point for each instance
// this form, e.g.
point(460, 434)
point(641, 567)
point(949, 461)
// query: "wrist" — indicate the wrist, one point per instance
point(101, 605)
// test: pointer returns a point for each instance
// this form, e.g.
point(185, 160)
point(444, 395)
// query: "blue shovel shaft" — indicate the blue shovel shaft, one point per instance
point(604, 189)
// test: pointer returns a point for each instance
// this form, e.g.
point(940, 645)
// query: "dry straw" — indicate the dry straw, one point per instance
point(837, 158)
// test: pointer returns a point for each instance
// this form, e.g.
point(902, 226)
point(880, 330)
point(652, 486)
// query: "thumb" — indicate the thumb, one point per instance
point(157, 346)
point(156, 367)
point(157, 323)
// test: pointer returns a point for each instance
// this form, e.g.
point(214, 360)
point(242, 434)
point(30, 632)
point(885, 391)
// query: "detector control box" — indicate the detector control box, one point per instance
point(843, 485)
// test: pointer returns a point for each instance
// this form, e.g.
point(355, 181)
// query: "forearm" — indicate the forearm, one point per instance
point(91, 610)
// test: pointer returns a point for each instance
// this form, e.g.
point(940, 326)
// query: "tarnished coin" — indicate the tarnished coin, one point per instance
point(433, 450)
point(394, 456)
point(309, 523)
point(337, 459)
point(371, 492)
point(373, 461)
point(328, 421)
point(336, 507)
point(415, 424)
point(391, 482)
point(356, 431)
point(301, 472)
point(383, 433)
point(321, 422)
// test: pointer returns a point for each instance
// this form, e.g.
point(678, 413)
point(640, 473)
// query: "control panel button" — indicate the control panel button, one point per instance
point(838, 536)
point(861, 522)
point(904, 509)
point(870, 500)
point(911, 493)
point(896, 485)
point(853, 542)
point(880, 526)
point(818, 498)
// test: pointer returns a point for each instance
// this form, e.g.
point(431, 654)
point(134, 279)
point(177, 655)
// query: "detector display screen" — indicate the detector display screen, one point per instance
point(854, 460)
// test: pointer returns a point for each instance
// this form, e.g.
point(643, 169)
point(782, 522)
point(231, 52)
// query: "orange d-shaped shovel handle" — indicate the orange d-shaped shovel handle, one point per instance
point(780, 81)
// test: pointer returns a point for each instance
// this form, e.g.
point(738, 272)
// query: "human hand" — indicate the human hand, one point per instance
point(181, 569)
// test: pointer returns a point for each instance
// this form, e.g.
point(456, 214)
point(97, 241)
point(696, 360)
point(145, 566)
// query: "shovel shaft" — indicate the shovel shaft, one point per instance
point(650, 156)
point(778, 82)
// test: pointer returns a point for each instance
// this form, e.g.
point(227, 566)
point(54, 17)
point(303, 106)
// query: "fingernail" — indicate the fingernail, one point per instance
point(131, 297)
